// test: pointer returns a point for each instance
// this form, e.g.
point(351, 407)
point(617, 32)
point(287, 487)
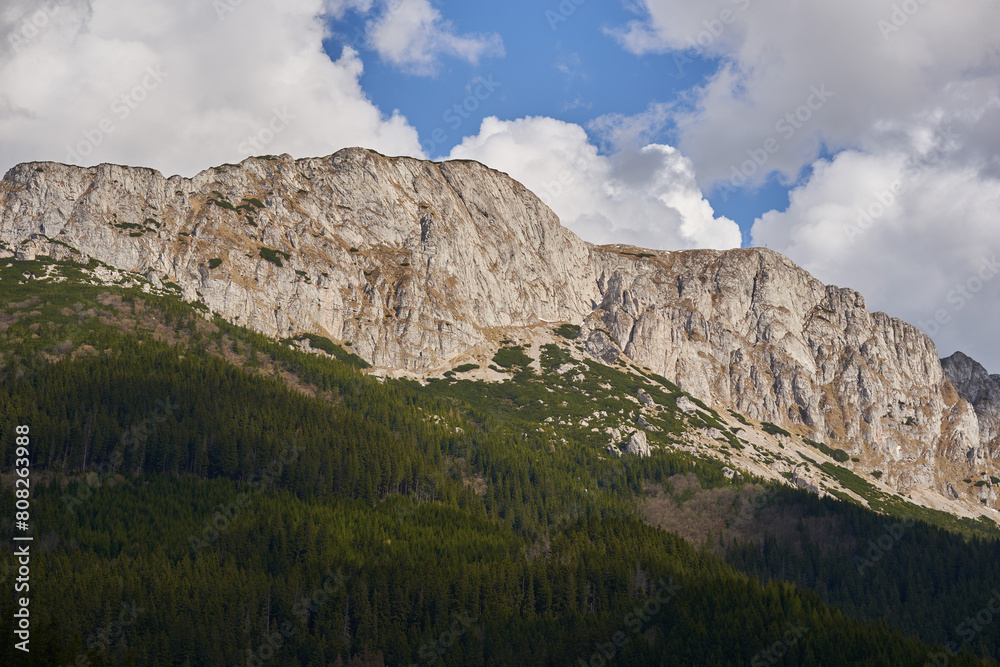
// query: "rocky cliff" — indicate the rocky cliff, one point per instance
point(980, 389)
point(751, 330)
point(414, 264)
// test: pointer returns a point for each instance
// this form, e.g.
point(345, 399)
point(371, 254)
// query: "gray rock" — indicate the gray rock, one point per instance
point(637, 445)
point(982, 390)
point(804, 482)
point(427, 262)
point(712, 433)
point(601, 346)
point(641, 422)
point(645, 398)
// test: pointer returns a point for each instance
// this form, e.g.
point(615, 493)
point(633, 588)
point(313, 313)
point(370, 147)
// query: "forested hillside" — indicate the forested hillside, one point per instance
point(207, 496)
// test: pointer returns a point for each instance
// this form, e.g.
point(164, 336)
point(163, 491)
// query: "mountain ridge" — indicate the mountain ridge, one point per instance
point(418, 266)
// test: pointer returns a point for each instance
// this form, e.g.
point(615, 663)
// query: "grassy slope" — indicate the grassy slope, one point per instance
point(71, 323)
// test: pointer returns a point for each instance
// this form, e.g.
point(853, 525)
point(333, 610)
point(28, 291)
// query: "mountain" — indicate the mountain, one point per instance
point(529, 491)
point(206, 495)
point(982, 390)
point(419, 267)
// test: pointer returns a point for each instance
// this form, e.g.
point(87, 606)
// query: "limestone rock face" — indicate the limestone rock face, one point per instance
point(751, 330)
point(685, 405)
point(416, 263)
point(411, 261)
point(982, 390)
point(637, 445)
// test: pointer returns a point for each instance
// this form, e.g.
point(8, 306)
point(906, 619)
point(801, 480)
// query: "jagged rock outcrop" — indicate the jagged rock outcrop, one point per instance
point(804, 481)
point(982, 391)
point(750, 329)
point(416, 263)
point(642, 423)
point(684, 404)
point(645, 398)
point(637, 445)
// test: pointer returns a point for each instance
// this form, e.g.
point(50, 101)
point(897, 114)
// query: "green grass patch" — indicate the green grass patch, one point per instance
point(838, 455)
point(554, 356)
point(774, 429)
point(740, 418)
point(273, 256)
point(511, 357)
point(568, 331)
point(326, 345)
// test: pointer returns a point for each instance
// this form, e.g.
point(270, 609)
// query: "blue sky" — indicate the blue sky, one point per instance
point(557, 64)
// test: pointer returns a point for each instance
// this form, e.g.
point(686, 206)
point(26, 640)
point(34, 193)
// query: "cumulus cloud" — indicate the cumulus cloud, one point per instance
point(904, 210)
point(645, 196)
point(180, 86)
point(918, 239)
point(882, 65)
point(412, 35)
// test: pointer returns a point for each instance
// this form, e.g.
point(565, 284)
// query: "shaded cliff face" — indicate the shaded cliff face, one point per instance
point(415, 263)
point(982, 390)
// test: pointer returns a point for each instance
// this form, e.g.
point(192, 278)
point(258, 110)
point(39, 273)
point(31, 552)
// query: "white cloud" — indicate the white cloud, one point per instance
point(901, 73)
point(915, 239)
point(411, 34)
point(180, 86)
point(645, 196)
point(773, 54)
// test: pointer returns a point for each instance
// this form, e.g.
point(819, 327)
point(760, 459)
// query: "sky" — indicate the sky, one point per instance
point(861, 138)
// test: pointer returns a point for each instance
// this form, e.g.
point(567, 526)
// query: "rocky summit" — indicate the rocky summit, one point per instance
point(417, 266)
